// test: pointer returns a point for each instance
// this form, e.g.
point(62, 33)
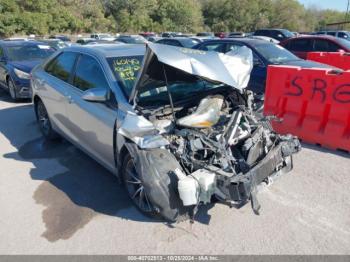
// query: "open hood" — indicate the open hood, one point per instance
point(182, 64)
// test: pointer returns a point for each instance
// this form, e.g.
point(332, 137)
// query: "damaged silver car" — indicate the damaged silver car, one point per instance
point(175, 125)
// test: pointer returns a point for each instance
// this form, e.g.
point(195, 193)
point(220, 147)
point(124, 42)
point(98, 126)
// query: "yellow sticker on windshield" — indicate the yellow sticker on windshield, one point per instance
point(127, 68)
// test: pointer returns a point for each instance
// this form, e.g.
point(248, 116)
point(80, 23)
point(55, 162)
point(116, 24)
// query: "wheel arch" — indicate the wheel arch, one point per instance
point(156, 167)
point(36, 99)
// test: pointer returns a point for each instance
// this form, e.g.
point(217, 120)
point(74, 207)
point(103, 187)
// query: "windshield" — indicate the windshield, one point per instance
point(29, 52)
point(275, 54)
point(126, 70)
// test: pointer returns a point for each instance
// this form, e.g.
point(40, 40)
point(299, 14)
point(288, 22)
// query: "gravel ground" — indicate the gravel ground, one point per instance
point(56, 200)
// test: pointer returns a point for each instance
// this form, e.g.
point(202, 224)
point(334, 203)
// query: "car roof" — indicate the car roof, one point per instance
point(330, 37)
point(332, 31)
point(270, 29)
point(249, 41)
point(110, 50)
point(20, 43)
point(130, 36)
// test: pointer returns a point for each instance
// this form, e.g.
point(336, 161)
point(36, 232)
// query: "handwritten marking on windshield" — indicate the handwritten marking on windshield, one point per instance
point(127, 68)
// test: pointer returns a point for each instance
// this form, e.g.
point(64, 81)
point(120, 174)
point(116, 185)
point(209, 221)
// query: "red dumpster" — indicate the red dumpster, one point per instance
point(337, 59)
point(313, 104)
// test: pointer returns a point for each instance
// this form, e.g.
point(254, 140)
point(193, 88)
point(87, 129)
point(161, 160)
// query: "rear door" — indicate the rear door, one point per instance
point(300, 47)
point(91, 123)
point(53, 85)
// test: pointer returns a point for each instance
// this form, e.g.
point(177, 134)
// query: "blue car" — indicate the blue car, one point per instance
point(264, 54)
point(17, 59)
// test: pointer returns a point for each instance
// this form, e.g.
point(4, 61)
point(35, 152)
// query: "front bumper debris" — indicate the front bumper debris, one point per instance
point(242, 188)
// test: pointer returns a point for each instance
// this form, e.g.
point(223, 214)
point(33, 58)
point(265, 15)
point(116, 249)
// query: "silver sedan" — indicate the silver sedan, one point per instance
point(176, 125)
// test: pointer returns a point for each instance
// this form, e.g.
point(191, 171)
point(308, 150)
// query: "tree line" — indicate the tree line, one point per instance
point(43, 17)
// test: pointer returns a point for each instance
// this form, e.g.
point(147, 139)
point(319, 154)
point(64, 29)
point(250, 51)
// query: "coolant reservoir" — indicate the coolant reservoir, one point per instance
point(188, 189)
point(206, 115)
point(206, 181)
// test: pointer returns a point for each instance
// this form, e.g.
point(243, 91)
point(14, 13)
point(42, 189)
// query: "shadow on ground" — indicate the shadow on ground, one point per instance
point(75, 196)
point(319, 148)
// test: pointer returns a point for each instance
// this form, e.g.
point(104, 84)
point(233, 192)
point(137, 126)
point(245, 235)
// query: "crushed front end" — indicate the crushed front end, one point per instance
point(224, 150)
point(205, 121)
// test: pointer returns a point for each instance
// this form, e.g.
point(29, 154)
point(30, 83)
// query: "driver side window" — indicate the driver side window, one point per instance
point(89, 74)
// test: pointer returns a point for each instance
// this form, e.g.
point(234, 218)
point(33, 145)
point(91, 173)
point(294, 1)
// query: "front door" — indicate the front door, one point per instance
point(91, 123)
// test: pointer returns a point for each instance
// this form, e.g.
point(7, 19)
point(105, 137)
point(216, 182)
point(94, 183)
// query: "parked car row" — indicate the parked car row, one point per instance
point(290, 52)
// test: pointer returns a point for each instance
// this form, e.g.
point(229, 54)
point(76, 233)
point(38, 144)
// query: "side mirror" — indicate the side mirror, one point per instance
point(341, 51)
point(96, 95)
point(3, 60)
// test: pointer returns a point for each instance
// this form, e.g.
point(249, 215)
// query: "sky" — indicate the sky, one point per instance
point(324, 4)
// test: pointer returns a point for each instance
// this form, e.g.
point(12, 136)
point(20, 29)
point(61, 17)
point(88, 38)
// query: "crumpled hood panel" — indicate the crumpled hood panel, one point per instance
point(232, 69)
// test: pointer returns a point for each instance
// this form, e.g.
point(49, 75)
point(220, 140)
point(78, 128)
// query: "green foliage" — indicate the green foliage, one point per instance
point(44, 17)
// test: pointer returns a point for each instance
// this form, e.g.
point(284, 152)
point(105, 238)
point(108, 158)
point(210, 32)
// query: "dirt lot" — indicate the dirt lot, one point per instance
point(56, 200)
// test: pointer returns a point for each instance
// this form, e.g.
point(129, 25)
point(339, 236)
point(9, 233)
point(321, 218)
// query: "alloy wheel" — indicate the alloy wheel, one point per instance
point(12, 90)
point(135, 188)
point(43, 118)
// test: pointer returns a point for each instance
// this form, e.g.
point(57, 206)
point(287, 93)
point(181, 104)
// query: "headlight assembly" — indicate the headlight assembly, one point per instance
point(21, 74)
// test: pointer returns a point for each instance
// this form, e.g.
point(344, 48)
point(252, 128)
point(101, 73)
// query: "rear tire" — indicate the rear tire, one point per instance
point(44, 121)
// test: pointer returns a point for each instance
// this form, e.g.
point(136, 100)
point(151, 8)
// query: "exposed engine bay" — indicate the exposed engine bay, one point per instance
point(196, 131)
point(219, 144)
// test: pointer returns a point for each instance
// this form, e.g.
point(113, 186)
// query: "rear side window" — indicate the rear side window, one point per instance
point(173, 43)
point(331, 33)
point(300, 45)
point(263, 33)
point(233, 47)
point(61, 67)
point(163, 42)
point(217, 47)
point(325, 46)
point(88, 74)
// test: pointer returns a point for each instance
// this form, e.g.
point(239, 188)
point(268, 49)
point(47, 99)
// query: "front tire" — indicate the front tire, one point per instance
point(155, 170)
point(135, 188)
point(44, 121)
point(12, 90)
